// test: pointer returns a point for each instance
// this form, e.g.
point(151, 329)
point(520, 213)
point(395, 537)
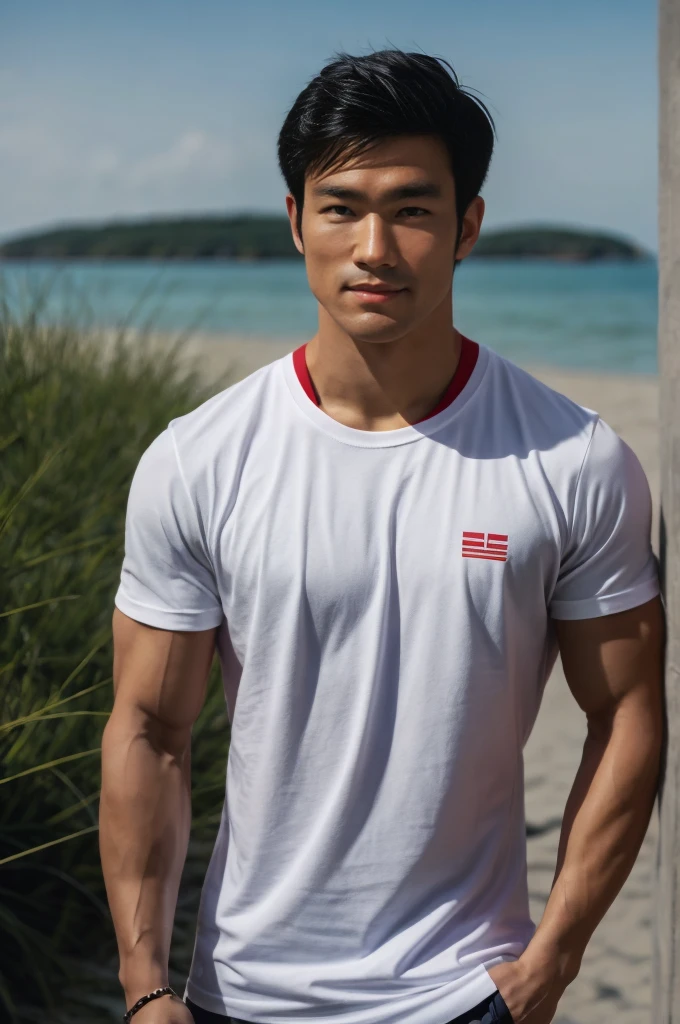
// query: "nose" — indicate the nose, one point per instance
point(375, 246)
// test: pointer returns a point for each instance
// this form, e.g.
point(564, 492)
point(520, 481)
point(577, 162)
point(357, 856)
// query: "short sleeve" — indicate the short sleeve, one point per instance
point(608, 565)
point(166, 580)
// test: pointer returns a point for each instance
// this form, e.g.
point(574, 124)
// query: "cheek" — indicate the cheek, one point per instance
point(327, 264)
point(322, 276)
point(431, 268)
point(428, 253)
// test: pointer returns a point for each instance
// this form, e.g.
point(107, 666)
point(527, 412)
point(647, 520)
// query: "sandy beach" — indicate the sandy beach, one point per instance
point(615, 979)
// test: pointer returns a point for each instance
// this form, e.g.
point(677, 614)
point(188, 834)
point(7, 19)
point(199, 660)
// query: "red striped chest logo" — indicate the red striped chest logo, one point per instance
point(493, 546)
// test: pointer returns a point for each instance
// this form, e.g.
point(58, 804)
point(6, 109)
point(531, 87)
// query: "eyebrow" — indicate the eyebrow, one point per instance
point(416, 190)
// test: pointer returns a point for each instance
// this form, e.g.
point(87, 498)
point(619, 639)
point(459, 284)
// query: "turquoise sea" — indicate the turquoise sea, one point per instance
point(590, 316)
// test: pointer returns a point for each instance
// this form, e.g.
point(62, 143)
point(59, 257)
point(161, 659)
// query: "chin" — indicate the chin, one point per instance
point(376, 334)
point(374, 326)
point(383, 337)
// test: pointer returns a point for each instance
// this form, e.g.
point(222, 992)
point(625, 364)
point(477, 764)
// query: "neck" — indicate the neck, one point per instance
point(376, 385)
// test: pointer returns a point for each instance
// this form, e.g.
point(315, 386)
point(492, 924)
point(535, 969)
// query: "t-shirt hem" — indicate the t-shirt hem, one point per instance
point(592, 608)
point(160, 618)
point(480, 987)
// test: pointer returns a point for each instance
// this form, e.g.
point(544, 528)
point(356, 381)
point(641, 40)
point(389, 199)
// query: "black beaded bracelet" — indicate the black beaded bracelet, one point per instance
point(167, 991)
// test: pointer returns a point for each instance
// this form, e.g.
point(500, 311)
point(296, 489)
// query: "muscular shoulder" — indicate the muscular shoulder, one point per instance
point(225, 419)
point(203, 452)
point(534, 414)
point(566, 448)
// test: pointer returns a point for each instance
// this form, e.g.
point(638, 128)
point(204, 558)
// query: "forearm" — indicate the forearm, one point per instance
point(605, 821)
point(145, 817)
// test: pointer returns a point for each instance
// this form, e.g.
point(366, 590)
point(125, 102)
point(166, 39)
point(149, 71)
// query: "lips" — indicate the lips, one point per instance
point(373, 296)
point(374, 290)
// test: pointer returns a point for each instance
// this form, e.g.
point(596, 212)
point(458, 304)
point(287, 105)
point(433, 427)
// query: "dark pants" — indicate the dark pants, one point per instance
point(491, 1011)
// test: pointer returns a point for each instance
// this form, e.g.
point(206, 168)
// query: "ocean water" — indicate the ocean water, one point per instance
point(600, 316)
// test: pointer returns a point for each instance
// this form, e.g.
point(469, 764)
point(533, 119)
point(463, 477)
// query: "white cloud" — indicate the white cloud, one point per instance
point(195, 153)
point(45, 177)
point(105, 161)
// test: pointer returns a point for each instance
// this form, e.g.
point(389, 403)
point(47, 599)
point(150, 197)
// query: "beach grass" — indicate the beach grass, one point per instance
point(77, 409)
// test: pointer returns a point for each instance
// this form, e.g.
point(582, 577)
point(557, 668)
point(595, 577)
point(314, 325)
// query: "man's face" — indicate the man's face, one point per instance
point(386, 219)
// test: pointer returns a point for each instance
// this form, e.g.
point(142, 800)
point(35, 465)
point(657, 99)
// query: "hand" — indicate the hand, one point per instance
point(164, 1010)
point(530, 996)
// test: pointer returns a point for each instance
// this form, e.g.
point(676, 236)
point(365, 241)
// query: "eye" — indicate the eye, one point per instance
point(411, 211)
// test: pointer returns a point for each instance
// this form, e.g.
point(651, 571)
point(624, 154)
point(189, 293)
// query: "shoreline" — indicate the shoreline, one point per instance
point(253, 348)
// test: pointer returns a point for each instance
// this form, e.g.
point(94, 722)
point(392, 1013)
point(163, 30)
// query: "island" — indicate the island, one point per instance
point(556, 243)
point(256, 236)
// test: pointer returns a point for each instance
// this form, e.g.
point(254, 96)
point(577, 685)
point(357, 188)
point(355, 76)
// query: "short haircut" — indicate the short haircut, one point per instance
point(356, 102)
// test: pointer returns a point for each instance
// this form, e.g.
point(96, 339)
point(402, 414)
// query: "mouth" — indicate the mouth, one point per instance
point(368, 294)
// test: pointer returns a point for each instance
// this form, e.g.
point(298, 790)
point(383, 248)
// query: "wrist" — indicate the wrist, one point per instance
point(553, 963)
point(139, 978)
point(140, 1006)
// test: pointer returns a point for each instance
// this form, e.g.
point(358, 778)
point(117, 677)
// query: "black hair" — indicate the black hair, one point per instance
point(355, 102)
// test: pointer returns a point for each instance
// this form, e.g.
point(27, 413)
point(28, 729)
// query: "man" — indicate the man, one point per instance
point(387, 535)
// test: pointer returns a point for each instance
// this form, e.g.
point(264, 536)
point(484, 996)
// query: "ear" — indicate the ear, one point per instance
point(291, 208)
point(472, 223)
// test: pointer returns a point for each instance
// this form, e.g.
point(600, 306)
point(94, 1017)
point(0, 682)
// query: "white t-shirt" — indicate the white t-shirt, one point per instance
point(383, 601)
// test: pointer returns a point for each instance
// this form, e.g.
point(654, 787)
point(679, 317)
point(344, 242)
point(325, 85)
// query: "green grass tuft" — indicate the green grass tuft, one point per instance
point(77, 409)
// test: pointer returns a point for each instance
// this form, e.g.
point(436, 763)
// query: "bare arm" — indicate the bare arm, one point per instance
point(614, 668)
point(160, 681)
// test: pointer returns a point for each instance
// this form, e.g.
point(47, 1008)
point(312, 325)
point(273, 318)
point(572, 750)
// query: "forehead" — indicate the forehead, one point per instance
point(389, 164)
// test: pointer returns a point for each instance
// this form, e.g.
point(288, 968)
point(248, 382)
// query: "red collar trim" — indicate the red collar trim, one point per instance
point(469, 353)
point(300, 364)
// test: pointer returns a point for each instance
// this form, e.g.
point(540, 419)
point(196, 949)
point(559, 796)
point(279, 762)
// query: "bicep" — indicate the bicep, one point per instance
point(160, 675)
point(612, 660)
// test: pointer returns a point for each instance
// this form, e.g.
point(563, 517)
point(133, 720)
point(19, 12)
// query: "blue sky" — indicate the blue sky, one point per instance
point(125, 109)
